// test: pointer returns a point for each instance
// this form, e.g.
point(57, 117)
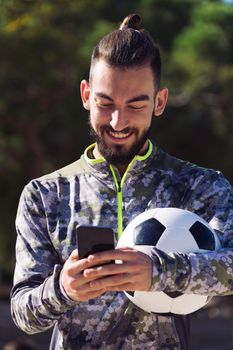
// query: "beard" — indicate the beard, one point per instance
point(117, 155)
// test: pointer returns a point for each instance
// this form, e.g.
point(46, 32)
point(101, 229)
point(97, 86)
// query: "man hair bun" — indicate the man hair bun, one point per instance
point(132, 21)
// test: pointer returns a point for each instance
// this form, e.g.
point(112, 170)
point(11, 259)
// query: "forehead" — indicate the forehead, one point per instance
point(124, 81)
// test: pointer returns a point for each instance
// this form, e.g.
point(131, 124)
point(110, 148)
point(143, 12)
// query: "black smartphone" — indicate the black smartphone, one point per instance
point(94, 239)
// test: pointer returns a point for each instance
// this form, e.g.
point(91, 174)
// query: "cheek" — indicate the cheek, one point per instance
point(96, 121)
point(144, 123)
point(99, 117)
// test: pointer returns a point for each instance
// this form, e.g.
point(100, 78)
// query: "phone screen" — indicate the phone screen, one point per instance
point(94, 239)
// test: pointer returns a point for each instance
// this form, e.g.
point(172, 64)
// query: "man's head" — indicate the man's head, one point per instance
point(129, 47)
point(123, 93)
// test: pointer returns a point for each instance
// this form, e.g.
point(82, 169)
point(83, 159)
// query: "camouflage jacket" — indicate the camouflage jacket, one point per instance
point(89, 191)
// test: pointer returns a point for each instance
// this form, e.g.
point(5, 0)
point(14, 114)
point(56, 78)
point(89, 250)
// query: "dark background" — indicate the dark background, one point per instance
point(45, 49)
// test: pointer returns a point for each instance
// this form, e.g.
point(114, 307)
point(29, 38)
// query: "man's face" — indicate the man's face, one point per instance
point(121, 104)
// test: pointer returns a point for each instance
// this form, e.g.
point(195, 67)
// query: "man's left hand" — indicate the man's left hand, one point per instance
point(134, 273)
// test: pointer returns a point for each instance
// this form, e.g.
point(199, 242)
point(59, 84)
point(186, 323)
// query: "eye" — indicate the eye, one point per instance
point(102, 104)
point(105, 105)
point(134, 107)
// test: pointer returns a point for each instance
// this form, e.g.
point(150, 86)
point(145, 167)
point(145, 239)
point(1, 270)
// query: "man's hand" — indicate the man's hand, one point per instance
point(75, 284)
point(134, 273)
point(88, 278)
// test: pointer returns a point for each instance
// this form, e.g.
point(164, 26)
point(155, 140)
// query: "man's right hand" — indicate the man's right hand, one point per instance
point(75, 284)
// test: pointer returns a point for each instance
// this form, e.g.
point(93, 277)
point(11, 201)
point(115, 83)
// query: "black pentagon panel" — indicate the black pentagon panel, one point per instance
point(130, 293)
point(173, 295)
point(203, 236)
point(148, 232)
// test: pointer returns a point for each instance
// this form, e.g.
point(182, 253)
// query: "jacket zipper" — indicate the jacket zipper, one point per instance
point(119, 187)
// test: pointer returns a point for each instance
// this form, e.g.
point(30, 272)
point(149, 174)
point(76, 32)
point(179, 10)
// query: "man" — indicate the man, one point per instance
point(120, 176)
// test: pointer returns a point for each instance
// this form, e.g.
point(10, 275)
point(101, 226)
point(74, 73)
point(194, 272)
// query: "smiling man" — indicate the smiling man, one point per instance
point(121, 175)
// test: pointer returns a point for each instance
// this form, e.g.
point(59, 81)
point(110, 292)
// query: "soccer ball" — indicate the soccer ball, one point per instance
point(170, 230)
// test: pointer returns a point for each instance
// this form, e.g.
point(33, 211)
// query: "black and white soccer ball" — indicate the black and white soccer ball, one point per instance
point(170, 230)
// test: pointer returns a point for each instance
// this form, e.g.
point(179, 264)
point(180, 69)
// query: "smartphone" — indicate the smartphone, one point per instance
point(94, 239)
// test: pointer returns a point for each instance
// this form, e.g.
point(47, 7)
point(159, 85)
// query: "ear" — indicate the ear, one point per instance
point(160, 101)
point(85, 94)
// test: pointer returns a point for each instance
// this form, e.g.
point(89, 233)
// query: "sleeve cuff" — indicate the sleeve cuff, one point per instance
point(54, 294)
point(171, 272)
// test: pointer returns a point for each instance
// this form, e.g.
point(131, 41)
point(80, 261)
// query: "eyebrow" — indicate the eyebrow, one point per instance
point(142, 97)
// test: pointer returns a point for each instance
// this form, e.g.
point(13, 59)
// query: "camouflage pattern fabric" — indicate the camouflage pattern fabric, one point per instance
point(84, 192)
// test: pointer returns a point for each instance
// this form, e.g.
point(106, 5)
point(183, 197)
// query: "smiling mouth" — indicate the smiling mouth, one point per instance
point(119, 134)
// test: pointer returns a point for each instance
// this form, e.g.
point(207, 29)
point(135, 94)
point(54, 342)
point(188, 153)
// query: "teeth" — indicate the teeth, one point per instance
point(119, 135)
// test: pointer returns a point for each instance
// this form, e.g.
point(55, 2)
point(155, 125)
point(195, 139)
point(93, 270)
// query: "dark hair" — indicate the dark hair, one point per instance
point(129, 46)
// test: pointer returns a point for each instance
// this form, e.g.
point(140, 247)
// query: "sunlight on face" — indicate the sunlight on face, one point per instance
point(121, 107)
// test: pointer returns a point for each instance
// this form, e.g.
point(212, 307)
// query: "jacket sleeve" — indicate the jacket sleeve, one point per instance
point(202, 273)
point(36, 298)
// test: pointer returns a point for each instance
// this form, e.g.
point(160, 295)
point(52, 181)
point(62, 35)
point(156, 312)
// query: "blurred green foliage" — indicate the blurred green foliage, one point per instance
point(45, 52)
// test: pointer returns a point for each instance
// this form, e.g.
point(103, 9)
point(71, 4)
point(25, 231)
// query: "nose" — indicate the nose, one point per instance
point(118, 121)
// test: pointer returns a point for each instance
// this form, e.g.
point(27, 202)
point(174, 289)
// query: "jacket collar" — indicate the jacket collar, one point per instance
point(137, 165)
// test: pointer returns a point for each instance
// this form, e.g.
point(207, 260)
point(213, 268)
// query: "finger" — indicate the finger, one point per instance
point(116, 254)
point(111, 269)
point(136, 274)
point(74, 254)
point(126, 248)
point(82, 286)
point(75, 267)
point(115, 283)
